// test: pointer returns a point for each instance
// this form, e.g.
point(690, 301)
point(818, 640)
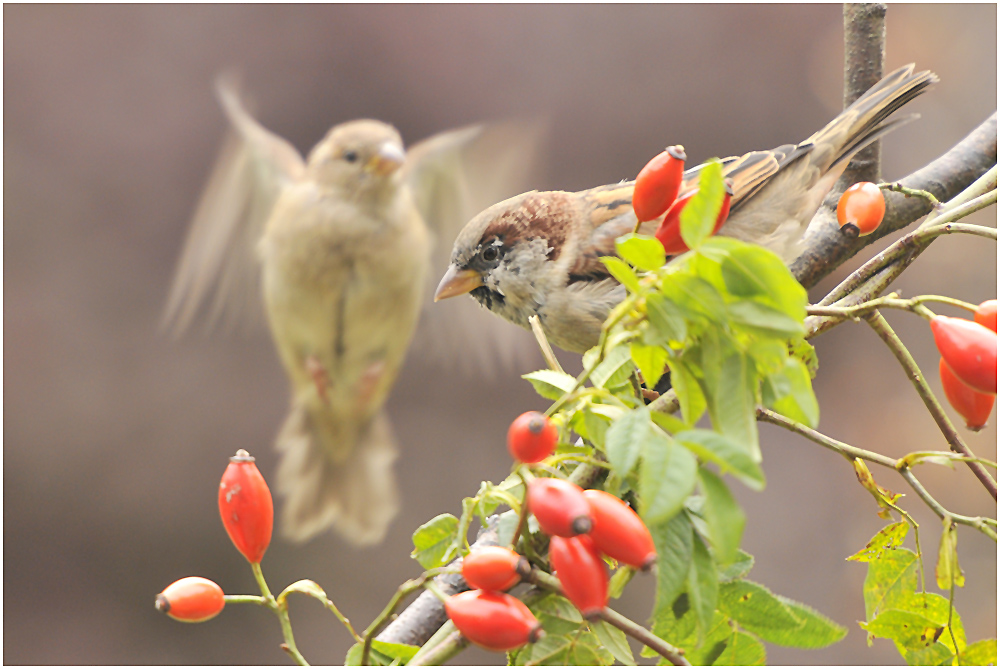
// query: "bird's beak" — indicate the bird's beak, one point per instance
point(457, 282)
point(388, 159)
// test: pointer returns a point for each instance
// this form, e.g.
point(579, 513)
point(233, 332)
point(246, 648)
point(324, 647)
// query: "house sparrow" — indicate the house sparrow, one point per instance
point(339, 246)
point(539, 253)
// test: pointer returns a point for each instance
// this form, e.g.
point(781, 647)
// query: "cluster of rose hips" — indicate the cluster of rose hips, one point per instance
point(583, 526)
point(968, 364)
point(655, 194)
point(248, 515)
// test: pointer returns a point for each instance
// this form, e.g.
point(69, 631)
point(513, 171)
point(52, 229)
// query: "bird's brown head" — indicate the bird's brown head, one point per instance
point(358, 156)
point(504, 247)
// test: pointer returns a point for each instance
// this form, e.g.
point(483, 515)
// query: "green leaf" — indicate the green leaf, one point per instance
point(306, 587)
point(768, 354)
point(714, 447)
point(764, 320)
point(948, 571)
point(674, 541)
point(621, 271)
point(624, 440)
point(614, 370)
point(696, 298)
point(614, 640)
point(888, 538)
point(597, 428)
point(643, 251)
point(382, 654)
point(668, 422)
point(918, 620)
point(689, 394)
point(550, 384)
point(432, 540)
point(703, 586)
point(739, 650)
point(666, 323)
point(651, 361)
point(666, 478)
point(891, 577)
point(753, 271)
point(754, 607)
point(817, 631)
point(699, 216)
point(724, 516)
point(790, 393)
point(730, 386)
point(738, 568)
point(981, 653)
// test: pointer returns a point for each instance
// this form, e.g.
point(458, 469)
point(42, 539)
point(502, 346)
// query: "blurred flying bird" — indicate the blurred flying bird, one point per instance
point(341, 246)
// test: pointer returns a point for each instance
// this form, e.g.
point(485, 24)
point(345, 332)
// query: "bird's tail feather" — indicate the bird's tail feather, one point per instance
point(864, 121)
point(356, 495)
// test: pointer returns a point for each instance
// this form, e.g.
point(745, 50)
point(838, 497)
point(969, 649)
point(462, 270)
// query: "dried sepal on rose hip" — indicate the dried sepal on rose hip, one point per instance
point(969, 349)
point(493, 568)
point(861, 206)
point(493, 620)
point(618, 531)
point(986, 314)
point(669, 232)
point(658, 183)
point(532, 437)
point(559, 506)
point(191, 600)
point(246, 507)
point(975, 407)
point(581, 573)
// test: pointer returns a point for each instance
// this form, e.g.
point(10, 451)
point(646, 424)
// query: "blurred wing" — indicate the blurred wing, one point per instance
point(218, 273)
point(454, 176)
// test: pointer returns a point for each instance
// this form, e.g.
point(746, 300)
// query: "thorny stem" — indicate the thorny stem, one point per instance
point(673, 654)
point(885, 332)
point(905, 248)
point(390, 608)
point(280, 610)
point(892, 301)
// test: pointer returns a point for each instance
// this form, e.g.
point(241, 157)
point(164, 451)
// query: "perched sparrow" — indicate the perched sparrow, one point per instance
point(339, 244)
point(539, 253)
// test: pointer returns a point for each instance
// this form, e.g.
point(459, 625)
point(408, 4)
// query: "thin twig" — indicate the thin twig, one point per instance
point(440, 653)
point(977, 522)
point(543, 343)
point(897, 187)
point(280, 610)
point(955, 441)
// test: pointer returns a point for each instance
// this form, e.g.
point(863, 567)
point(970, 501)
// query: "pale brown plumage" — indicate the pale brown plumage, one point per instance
point(339, 246)
point(538, 253)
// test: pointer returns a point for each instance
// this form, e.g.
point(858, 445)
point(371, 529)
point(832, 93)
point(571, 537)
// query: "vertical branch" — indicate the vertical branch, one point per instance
point(864, 62)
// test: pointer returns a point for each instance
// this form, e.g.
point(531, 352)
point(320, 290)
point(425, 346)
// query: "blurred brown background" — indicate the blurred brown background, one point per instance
point(116, 436)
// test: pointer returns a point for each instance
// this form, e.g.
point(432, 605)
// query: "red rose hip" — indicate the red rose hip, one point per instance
point(986, 314)
point(493, 620)
point(975, 407)
point(492, 568)
point(559, 506)
point(581, 572)
point(618, 531)
point(532, 437)
point(969, 349)
point(246, 507)
point(863, 206)
point(658, 183)
point(669, 232)
point(191, 600)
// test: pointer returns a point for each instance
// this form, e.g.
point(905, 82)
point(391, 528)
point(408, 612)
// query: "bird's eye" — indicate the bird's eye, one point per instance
point(490, 253)
point(350, 156)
